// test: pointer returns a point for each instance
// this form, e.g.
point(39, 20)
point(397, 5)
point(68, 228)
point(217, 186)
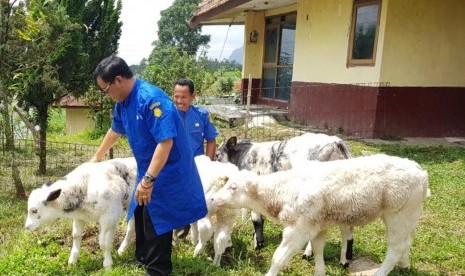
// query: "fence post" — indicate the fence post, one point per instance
point(247, 107)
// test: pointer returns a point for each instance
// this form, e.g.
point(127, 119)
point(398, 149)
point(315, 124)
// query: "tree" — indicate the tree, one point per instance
point(10, 48)
point(173, 30)
point(64, 40)
point(172, 65)
point(174, 53)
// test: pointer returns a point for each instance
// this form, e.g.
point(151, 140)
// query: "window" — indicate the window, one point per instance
point(279, 57)
point(364, 33)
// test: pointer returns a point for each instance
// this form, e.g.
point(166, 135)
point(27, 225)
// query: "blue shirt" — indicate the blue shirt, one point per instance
point(199, 127)
point(147, 117)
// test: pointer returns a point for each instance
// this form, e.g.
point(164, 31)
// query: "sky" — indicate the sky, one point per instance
point(139, 30)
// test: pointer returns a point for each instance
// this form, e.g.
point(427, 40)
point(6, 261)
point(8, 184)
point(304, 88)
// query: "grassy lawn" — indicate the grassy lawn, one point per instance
point(438, 248)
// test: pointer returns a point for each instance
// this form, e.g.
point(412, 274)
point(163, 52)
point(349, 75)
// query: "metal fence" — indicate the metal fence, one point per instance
point(61, 159)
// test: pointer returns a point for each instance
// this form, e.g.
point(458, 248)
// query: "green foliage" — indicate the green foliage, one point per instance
point(224, 82)
point(437, 250)
point(168, 64)
point(100, 109)
point(61, 42)
point(173, 30)
point(225, 65)
point(174, 53)
point(139, 69)
point(57, 121)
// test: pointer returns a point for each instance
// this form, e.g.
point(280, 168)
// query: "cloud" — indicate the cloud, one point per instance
point(140, 28)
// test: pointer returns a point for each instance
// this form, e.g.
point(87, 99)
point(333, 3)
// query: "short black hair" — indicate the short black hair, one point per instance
point(111, 67)
point(186, 82)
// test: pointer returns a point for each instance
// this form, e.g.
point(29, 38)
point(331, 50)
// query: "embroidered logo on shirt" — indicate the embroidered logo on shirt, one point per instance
point(157, 112)
point(154, 105)
point(196, 124)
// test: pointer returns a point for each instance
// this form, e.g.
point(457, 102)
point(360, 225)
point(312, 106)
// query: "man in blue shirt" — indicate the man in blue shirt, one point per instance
point(168, 194)
point(196, 120)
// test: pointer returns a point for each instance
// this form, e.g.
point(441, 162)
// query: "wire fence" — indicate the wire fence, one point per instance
point(61, 159)
point(256, 123)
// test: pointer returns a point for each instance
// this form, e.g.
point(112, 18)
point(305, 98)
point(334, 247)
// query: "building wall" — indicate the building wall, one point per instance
point(77, 120)
point(369, 111)
point(415, 88)
point(322, 42)
point(424, 43)
point(253, 52)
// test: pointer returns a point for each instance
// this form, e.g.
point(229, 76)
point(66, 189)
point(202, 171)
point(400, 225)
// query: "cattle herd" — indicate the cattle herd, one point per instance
point(306, 184)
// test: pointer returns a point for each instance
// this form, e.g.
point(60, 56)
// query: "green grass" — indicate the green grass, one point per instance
point(438, 247)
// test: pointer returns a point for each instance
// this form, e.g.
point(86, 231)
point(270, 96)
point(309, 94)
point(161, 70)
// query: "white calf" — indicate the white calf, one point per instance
point(274, 156)
point(219, 220)
point(308, 200)
point(93, 192)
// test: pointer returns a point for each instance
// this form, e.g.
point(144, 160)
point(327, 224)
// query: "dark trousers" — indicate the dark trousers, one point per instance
point(152, 250)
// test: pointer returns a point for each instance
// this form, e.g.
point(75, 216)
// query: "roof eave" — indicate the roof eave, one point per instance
point(205, 15)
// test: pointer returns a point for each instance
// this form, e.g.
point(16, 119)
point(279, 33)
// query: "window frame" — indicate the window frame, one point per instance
point(275, 65)
point(352, 62)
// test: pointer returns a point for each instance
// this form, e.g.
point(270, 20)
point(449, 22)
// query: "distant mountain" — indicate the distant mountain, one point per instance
point(237, 55)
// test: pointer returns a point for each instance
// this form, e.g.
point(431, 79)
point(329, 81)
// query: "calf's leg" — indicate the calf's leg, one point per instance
point(194, 233)
point(258, 223)
point(129, 238)
point(399, 231)
point(205, 229)
point(318, 247)
point(78, 229)
point(347, 245)
point(293, 240)
point(107, 233)
point(222, 240)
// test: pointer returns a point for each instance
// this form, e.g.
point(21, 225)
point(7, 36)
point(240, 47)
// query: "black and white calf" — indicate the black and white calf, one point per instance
point(274, 156)
point(315, 196)
point(92, 192)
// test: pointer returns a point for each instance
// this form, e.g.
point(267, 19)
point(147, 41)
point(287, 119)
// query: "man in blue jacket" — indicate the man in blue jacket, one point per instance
point(196, 120)
point(168, 194)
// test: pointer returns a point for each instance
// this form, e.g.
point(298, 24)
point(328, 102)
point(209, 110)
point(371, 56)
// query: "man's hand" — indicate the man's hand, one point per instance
point(143, 194)
point(95, 159)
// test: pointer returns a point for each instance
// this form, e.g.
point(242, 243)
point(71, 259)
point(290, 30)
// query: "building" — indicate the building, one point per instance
point(77, 117)
point(369, 68)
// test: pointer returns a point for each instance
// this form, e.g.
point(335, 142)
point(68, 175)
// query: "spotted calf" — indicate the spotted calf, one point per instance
point(92, 192)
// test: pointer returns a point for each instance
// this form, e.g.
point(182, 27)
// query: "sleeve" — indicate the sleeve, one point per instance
point(210, 130)
point(117, 123)
point(160, 119)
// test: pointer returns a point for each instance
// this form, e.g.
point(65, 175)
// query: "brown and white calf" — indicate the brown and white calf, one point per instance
point(220, 220)
point(274, 156)
point(92, 192)
point(315, 196)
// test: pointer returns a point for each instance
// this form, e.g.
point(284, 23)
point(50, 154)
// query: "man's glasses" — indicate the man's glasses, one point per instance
point(104, 90)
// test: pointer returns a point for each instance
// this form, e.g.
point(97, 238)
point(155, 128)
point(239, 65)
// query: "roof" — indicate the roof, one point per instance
point(69, 101)
point(227, 12)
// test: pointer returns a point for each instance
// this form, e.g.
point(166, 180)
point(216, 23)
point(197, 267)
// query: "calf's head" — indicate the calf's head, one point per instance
point(237, 191)
point(223, 151)
point(39, 211)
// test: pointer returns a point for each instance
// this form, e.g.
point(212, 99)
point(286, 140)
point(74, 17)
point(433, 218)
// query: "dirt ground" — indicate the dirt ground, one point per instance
point(363, 267)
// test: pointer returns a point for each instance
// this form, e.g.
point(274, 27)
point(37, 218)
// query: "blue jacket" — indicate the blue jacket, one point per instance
point(199, 127)
point(148, 116)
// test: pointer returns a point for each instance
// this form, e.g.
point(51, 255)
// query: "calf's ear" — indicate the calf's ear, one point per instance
point(231, 143)
point(54, 195)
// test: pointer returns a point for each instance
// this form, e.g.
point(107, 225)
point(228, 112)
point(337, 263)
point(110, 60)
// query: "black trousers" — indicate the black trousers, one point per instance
point(152, 250)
